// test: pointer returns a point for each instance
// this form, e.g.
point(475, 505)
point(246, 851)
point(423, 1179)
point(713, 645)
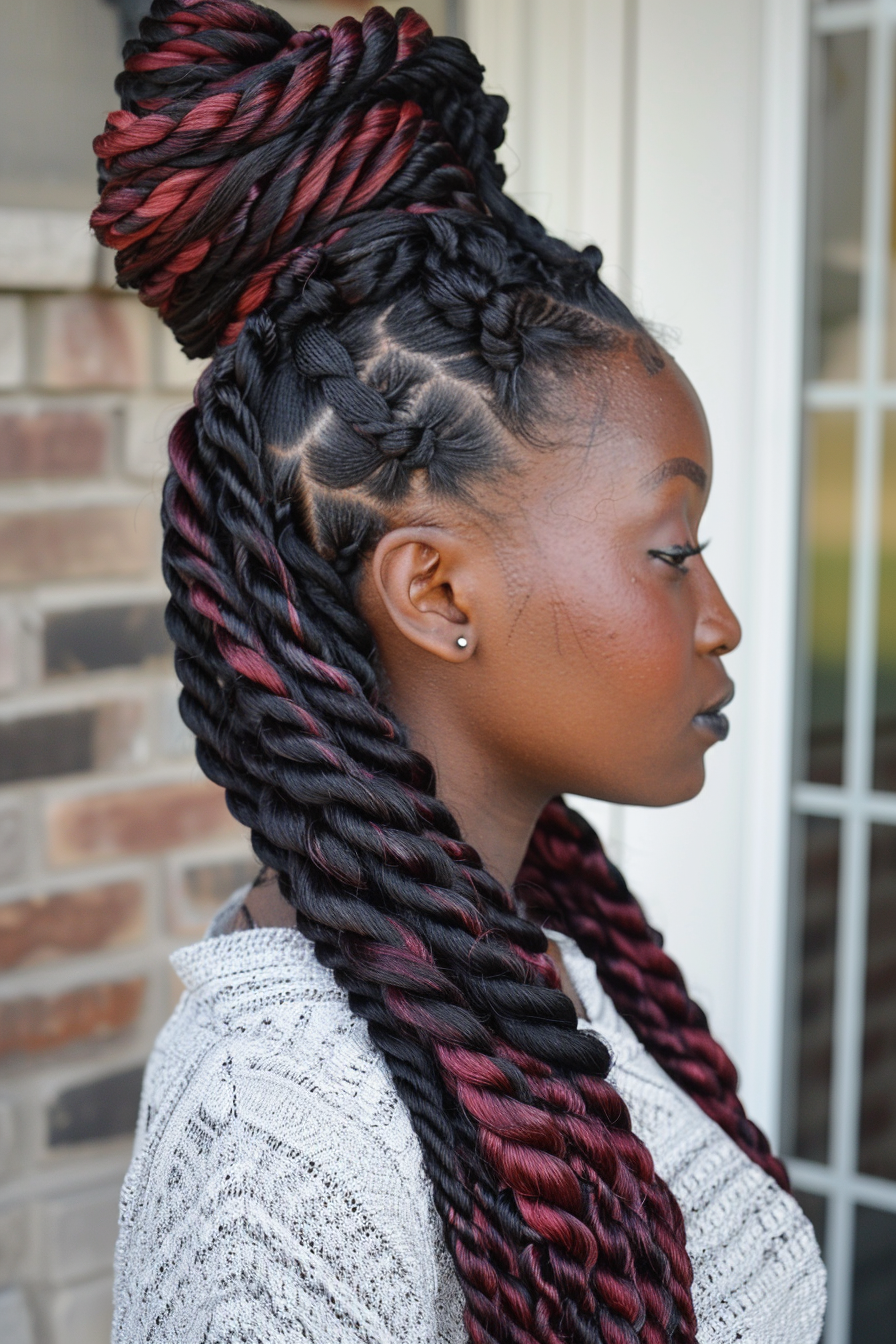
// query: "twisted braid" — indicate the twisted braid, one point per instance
point(427, 945)
point(326, 209)
point(567, 877)
point(293, 126)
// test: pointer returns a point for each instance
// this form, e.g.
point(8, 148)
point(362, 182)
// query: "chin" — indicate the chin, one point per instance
point(689, 787)
point(670, 788)
point(649, 783)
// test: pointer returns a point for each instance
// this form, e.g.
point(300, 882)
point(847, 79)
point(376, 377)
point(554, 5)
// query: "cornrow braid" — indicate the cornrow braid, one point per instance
point(324, 212)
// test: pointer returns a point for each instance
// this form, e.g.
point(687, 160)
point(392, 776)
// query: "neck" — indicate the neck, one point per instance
point(496, 812)
point(498, 826)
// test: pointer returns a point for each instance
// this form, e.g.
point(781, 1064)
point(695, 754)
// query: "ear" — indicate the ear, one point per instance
point(424, 579)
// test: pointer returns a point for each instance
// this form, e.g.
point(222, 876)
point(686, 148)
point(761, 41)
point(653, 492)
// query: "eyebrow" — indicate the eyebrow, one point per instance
point(675, 466)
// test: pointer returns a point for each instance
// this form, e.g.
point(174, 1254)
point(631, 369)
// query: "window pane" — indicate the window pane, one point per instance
point(836, 259)
point(885, 722)
point(827, 533)
point(877, 1142)
point(874, 1280)
point(891, 324)
point(815, 1208)
point(816, 868)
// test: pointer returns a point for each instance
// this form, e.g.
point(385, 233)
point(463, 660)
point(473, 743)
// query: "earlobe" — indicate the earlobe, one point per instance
point(423, 584)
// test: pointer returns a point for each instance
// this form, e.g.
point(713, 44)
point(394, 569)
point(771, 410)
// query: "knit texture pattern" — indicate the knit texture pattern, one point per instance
point(277, 1192)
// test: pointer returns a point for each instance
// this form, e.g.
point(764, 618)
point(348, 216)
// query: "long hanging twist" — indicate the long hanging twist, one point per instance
point(424, 948)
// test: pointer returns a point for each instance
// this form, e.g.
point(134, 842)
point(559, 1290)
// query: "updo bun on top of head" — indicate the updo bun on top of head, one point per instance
point(323, 212)
point(242, 146)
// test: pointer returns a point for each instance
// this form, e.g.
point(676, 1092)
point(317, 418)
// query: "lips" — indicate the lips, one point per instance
point(712, 720)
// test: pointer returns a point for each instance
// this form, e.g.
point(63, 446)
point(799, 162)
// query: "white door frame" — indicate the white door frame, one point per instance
point(781, 189)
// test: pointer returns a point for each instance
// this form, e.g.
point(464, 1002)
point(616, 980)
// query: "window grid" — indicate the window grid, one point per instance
point(854, 802)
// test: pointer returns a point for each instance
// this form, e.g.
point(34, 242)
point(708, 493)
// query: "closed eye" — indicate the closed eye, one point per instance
point(677, 555)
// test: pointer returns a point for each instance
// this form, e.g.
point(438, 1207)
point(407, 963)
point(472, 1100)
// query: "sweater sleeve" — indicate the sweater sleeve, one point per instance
point(253, 1219)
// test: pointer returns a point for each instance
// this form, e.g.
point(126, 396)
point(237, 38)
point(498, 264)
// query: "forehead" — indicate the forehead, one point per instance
point(618, 438)
point(617, 443)
point(643, 417)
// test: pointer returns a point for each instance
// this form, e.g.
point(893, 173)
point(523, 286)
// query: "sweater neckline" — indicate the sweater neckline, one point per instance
point(211, 962)
point(216, 963)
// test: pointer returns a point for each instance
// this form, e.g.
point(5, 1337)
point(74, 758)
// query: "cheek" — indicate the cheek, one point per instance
point(590, 623)
point(654, 635)
point(626, 637)
point(588, 684)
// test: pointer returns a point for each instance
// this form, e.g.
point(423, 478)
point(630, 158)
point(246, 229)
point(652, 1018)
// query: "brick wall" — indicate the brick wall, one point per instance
point(113, 848)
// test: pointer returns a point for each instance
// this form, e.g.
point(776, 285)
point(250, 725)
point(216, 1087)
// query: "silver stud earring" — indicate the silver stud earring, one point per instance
point(461, 643)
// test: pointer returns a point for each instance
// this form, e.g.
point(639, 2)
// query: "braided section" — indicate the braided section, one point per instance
point(240, 144)
point(567, 875)
point(552, 1209)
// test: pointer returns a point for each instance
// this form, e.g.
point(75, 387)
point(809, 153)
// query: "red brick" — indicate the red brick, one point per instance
point(12, 340)
point(45, 927)
point(91, 341)
point(93, 737)
point(136, 821)
point(201, 891)
point(45, 1023)
point(77, 544)
point(54, 443)
point(95, 638)
point(9, 647)
point(13, 841)
point(118, 734)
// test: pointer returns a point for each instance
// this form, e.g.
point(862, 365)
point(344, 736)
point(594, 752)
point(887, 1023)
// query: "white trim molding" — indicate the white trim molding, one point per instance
point(773, 548)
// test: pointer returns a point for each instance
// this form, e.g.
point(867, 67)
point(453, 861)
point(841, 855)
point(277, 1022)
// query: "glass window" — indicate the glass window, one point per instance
point(839, 1085)
point(816, 865)
point(877, 1143)
point(829, 468)
point(874, 1278)
point(815, 1208)
point(885, 716)
point(836, 250)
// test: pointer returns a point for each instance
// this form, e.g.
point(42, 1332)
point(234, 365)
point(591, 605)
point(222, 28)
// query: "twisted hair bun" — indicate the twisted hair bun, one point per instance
point(242, 146)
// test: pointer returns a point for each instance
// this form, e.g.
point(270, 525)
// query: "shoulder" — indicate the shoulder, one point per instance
point(276, 1153)
point(758, 1272)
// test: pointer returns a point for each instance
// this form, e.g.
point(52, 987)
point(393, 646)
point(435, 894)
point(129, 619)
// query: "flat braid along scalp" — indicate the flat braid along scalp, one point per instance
point(324, 212)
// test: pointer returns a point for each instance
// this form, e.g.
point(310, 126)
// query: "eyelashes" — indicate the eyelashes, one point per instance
point(675, 556)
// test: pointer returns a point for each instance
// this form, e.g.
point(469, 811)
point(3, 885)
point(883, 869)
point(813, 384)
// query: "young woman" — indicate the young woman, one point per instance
point(432, 544)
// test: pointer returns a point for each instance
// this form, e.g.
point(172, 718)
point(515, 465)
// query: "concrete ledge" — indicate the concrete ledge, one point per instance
point(46, 249)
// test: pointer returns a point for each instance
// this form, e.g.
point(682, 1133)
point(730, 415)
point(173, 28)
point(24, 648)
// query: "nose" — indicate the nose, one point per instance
point(718, 629)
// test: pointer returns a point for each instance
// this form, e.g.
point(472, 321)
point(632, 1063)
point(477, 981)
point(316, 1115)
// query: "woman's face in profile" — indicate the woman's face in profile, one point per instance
point(599, 631)
point(611, 637)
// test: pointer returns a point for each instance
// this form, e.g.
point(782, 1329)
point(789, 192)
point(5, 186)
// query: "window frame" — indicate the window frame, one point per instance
point(853, 802)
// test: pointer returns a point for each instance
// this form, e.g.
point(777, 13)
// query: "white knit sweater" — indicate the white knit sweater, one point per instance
point(277, 1191)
